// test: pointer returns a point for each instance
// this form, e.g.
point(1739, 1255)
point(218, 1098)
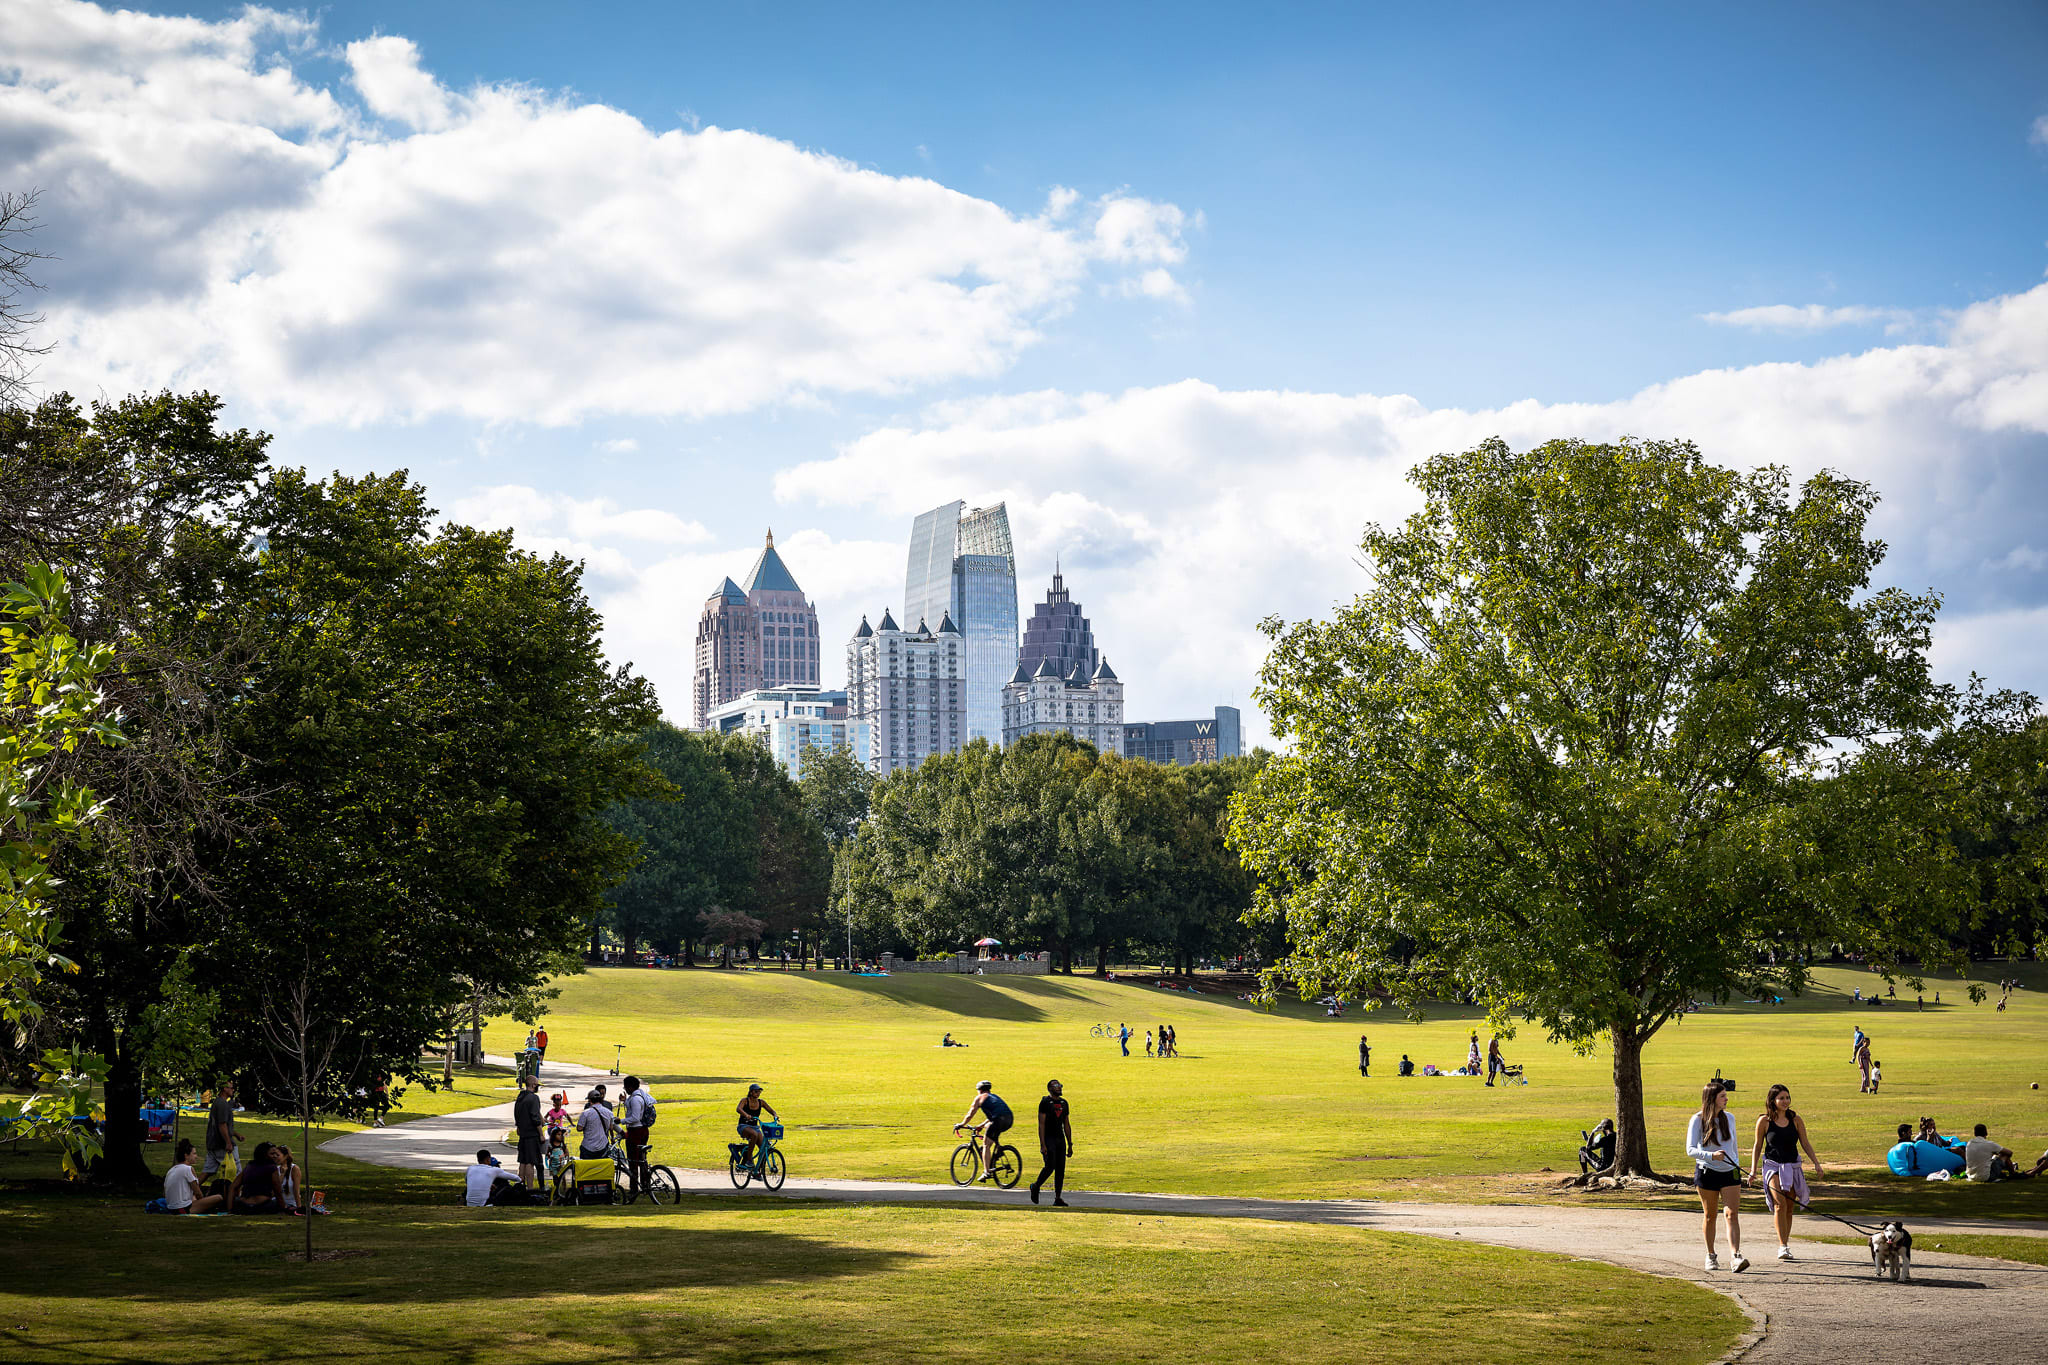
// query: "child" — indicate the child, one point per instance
point(1148, 1042)
point(558, 1117)
point(557, 1158)
point(1876, 1075)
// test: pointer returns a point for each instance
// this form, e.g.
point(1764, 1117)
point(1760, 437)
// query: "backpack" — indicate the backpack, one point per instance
point(647, 1114)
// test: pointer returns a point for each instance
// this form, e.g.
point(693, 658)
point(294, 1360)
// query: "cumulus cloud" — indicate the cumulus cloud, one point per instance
point(388, 250)
point(1813, 317)
point(585, 529)
point(1185, 513)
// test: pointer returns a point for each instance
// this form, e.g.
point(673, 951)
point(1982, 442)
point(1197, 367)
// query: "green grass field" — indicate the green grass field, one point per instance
point(1271, 1103)
point(86, 1278)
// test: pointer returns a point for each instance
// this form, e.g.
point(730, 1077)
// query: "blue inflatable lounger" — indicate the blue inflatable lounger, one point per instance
point(1922, 1158)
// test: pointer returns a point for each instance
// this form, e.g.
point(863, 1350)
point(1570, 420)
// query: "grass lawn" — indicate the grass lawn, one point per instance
point(1272, 1103)
point(89, 1280)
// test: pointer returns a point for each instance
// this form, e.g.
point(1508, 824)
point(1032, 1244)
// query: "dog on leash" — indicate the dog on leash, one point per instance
point(1891, 1251)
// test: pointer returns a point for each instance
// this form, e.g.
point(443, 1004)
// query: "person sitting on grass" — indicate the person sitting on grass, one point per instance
point(947, 1041)
point(1407, 1068)
point(259, 1186)
point(290, 1178)
point(1930, 1131)
point(1598, 1152)
point(481, 1182)
point(181, 1185)
point(1984, 1159)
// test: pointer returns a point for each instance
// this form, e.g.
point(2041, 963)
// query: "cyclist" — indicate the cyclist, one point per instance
point(997, 1120)
point(749, 1110)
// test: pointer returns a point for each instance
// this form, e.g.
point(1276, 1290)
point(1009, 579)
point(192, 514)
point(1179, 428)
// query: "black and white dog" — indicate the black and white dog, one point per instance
point(1891, 1251)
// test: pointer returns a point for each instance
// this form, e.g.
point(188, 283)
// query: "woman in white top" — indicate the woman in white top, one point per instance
point(1472, 1057)
point(1717, 1173)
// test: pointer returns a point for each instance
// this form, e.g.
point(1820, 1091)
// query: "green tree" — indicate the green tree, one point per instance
point(1561, 753)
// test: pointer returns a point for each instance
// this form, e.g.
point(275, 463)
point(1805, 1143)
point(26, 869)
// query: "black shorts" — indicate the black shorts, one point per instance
point(529, 1150)
point(1714, 1180)
point(998, 1127)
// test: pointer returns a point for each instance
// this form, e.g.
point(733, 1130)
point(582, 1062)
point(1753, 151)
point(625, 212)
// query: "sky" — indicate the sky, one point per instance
point(1191, 287)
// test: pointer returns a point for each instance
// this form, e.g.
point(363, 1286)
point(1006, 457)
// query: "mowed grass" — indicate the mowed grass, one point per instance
point(1271, 1103)
point(731, 1280)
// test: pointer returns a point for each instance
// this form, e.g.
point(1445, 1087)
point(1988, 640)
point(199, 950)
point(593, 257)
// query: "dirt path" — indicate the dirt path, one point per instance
point(1825, 1306)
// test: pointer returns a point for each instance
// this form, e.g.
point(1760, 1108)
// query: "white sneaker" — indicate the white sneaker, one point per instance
point(1713, 1261)
point(1785, 1254)
point(1741, 1263)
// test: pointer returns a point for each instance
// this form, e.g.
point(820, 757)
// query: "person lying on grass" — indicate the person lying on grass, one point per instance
point(181, 1185)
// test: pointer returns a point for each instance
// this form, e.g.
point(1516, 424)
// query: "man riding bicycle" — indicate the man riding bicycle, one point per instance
point(997, 1120)
point(749, 1110)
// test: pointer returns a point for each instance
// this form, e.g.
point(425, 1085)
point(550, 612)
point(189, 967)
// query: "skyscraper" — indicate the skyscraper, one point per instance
point(962, 566)
point(906, 687)
point(760, 634)
point(1059, 633)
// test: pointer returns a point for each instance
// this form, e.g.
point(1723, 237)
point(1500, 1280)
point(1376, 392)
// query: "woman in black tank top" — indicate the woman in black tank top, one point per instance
point(1781, 1142)
point(1780, 1134)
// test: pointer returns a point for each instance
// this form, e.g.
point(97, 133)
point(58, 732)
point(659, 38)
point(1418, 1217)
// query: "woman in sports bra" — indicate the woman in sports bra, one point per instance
point(1780, 1133)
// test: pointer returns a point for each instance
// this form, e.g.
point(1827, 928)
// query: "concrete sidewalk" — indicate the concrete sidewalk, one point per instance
point(1826, 1306)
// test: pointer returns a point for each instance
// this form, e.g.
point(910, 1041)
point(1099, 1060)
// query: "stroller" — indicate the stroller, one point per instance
point(1596, 1149)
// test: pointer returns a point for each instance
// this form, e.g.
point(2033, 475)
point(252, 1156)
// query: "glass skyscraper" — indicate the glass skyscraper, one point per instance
point(961, 565)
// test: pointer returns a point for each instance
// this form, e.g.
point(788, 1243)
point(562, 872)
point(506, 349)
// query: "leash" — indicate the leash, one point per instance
point(1813, 1212)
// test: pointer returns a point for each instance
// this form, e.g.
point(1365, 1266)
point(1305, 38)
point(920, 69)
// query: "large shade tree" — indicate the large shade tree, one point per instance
point(1562, 754)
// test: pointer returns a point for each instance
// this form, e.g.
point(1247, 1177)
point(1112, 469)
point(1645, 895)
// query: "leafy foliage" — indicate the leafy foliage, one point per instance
point(1564, 753)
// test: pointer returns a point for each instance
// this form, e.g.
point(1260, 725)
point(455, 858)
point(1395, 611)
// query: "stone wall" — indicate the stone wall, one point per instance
point(967, 964)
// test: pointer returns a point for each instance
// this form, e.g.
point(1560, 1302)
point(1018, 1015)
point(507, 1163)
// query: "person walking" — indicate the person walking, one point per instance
point(1495, 1064)
point(540, 1048)
point(1364, 1057)
point(222, 1141)
point(1148, 1042)
point(1863, 1064)
point(1123, 1038)
point(1780, 1133)
point(1055, 1143)
point(526, 1122)
point(1717, 1172)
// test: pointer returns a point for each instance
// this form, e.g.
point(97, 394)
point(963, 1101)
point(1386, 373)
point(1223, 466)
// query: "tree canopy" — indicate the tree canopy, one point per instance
point(1567, 752)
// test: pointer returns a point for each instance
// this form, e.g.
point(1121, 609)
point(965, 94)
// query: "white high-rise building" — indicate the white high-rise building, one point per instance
point(794, 722)
point(909, 687)
point(1089, 707)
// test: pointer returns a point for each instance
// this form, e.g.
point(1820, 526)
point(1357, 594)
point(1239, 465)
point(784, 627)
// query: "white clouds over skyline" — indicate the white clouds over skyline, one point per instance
point(503, 255)
point(1813, 317)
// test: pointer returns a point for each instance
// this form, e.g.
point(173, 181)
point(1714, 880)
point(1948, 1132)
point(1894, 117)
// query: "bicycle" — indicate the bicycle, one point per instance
point(1103, 1031)
point(767, 1165)
point(662, 1185)
point(966, 1164)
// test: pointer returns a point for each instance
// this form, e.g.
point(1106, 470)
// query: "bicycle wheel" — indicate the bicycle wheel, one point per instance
point(1009, 1167)
point(966, 1163)
point(772, 1171)
point(741, 1171)
point(662, 1186)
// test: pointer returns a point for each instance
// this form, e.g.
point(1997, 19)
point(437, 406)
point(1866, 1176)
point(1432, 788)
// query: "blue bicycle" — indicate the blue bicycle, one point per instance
point(766, 1166)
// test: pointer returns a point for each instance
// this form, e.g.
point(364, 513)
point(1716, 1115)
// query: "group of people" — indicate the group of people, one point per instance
point(1774, 1164)
point(1983, 1158)
point(544, 1147)
point(1492, 1067)
point(1055, 1134)
point(1872, 1069)
point(1166, 1045)
point(269, 1182)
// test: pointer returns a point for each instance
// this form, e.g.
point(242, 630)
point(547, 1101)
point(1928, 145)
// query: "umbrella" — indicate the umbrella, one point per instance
point(988, 943)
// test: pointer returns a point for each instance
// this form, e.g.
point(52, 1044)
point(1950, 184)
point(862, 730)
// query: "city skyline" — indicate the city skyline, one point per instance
point(1192, 326)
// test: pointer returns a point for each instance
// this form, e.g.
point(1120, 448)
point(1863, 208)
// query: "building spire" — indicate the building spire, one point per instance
point(771, 537)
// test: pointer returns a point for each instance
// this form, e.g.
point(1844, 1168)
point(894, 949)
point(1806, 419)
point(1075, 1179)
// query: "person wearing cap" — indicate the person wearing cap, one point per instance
point(526, 1122)
point(1055, 1142)
point(997, 1118)
point(596, 1125)
point(749, 1111)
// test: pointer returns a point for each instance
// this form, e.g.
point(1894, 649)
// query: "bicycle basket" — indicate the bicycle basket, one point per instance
point(772, 1130)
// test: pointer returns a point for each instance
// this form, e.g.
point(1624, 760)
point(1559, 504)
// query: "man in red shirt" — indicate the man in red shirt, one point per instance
point(540, 1048)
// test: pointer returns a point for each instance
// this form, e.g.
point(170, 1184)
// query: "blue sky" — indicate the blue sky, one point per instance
point(1813, 234)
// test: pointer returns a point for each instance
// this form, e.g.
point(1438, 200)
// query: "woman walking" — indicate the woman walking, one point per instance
point(1780, 1133)
point(1717, 1173)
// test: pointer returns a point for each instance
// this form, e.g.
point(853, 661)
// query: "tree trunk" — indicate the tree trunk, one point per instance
point(305, 1155)
point(689, 952)
point(1631, 1136)
point(122, 1160)
point(1102, 959)
point(596, 940)
point(1067, 958)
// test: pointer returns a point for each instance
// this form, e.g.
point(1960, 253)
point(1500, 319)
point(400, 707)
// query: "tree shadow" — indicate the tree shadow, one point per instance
point(967, 997)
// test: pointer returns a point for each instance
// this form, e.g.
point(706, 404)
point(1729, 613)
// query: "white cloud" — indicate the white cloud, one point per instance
point(388, 250)
point(1185, 513)
point(2040, 133)
point(622, 445)
point(1813, 317)
point(387, 72)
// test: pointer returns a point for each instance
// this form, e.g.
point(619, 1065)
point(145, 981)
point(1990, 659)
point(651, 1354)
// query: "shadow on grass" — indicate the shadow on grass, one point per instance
point(968, 997)
point(417, 1257)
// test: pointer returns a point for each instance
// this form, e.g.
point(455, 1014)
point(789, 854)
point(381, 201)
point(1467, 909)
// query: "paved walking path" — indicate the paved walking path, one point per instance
point(1959, 1310)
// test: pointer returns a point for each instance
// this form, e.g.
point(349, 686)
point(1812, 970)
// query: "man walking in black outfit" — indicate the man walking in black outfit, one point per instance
point(1364, 1057)
point(526, 1121)
point(1055, 1143)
